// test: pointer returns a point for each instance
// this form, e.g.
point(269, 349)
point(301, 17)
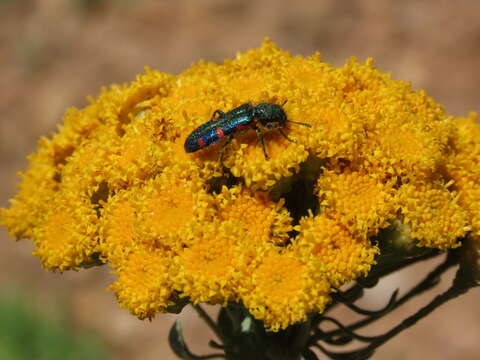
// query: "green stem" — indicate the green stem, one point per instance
point(454, 291)
point(426, 284)
point(211, 324)
point(386, 266)
point(236, 322)
point(358, 288)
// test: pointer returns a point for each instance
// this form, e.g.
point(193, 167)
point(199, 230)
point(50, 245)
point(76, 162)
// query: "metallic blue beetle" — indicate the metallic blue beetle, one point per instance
point(244, 117)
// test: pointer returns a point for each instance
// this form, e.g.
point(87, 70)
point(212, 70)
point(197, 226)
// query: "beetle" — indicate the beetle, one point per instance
point(242, 118)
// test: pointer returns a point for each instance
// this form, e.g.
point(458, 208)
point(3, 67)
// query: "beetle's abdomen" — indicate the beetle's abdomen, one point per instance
point(213, 131)
point(202, 137)
point(192, 144)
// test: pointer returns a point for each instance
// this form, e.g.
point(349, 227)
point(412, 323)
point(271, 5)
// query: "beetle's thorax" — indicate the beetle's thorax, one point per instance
point(269, 115)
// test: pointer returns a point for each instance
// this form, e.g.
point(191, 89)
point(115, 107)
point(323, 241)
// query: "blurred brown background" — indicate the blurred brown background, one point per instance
point(55, 52)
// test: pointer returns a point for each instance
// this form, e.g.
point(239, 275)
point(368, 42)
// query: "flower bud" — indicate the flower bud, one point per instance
point(397, 240)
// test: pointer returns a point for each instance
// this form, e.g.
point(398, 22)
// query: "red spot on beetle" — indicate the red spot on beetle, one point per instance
point(220, 133)
point(201, 143)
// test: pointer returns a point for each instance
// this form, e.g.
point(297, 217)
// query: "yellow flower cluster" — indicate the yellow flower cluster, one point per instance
point(115, 185)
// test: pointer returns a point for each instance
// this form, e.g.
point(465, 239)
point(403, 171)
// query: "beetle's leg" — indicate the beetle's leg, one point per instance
point(285, 135)
point(220, 113)
point(262, 141)
point(222, 149)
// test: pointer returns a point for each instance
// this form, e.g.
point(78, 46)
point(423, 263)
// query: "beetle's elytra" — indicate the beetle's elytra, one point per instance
point(227, 124)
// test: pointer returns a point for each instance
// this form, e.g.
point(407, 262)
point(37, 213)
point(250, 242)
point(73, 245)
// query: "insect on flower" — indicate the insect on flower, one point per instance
point(262, 117)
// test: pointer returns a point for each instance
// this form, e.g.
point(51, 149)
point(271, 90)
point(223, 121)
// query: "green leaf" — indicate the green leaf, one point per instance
point(225, 324)
point(177, 342)
point(180, 348)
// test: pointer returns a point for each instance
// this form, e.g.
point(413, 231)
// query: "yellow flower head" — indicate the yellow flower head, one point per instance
point(144, 285)
point(360, 202)
point(212, 265)
point(404, 148)
point(43, 177)
point(134, 157)
point(119, 234)
point(462, 168)
point(246, 160)
point(158, 214)
point(263, 220)
point(68, 234)
point(115, 183)
point(344, 255)
point(39, 185)
point(433, 212)
point(284, 288)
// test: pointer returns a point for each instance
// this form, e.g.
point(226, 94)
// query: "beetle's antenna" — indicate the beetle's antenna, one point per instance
point(299, 123)
point(294, 122)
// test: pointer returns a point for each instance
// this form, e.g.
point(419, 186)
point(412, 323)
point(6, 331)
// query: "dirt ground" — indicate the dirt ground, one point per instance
point(53, 53)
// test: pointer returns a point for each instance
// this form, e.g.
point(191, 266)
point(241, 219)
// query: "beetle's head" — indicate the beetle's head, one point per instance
point(271, 116)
